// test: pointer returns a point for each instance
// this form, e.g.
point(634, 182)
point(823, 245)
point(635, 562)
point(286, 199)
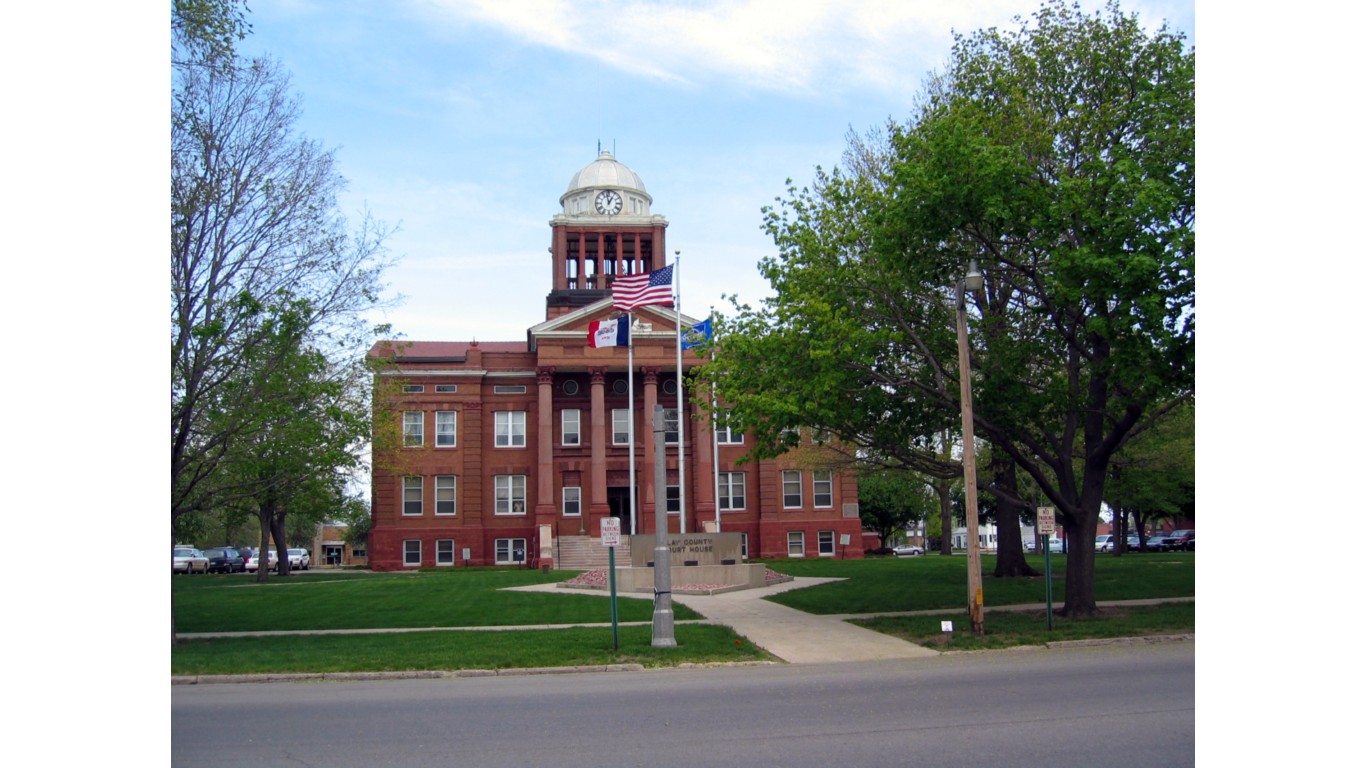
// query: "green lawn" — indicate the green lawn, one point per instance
point(886, 584)
point(357, 600)
point(475, 597)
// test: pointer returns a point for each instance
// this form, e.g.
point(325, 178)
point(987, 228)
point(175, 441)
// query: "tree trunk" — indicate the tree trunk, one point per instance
point(264, 515)
point(277, 528)
point(944, 489)
point(1010, 559)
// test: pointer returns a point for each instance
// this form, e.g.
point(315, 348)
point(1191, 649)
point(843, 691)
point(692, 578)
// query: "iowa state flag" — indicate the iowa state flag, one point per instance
point(609, 333)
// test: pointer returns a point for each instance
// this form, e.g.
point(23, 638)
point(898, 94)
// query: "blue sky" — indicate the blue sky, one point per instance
point(461, 122)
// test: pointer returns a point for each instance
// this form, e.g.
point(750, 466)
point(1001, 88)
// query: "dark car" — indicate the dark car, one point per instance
point(1183, 539)
point(1157, 543)
point(225, 560)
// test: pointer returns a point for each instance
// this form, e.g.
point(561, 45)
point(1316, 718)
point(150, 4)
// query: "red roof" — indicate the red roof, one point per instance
point(441, 350)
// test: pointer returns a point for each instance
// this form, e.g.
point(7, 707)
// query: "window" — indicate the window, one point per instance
point(445, 551)
point(671, 426)
point(446, 388)
point(671, 499)
point(796, 544)
point(725, 435)
point(509, 429)
point(412, 389)
point(509, 551)
point(792, 488)
point(619, 387)
point(823, 488)
point(744, 546)
point(412, 428)
point(509, 389)
point(569, 426)
point(571, 505)
point(730, 490)
point(445, 429)
point(825, 543)
point(621, 426)
point(412, 495)
point(570, 387)
point(509, 494)
point(445, 494)
point(820, 436)
point(670, 386)
point(412, 552)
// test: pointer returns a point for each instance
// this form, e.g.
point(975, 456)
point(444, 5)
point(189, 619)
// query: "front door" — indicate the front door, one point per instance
point(619, 505)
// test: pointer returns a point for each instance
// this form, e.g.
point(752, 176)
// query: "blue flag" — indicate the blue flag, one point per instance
point(697, 334)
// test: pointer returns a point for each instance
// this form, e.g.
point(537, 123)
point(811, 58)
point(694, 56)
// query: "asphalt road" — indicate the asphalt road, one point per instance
point(1113, 705)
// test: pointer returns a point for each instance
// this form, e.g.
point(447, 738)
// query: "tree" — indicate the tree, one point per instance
point(264, 269)
point(1153, 476)
point(1059, 157)
point(889, 501)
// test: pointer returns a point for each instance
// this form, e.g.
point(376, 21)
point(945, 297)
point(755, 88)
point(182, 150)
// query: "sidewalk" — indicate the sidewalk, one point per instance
point(791, 635)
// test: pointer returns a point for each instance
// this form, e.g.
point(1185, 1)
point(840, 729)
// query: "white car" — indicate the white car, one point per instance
point(907, 550)
point(298, 558)
point(254, 562)
point(188, 560)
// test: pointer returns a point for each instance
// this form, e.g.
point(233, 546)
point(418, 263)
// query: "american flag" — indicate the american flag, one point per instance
point(631, 291)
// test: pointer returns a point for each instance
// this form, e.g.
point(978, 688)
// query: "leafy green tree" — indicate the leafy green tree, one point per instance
point(1060, 158)
point(1153, 477)
point(260, 256)
point(890, 500)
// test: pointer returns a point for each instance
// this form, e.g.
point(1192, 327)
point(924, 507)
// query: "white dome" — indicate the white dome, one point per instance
point(606, 173)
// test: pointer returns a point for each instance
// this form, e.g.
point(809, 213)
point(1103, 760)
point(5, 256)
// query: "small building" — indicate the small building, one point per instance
point(331, 550)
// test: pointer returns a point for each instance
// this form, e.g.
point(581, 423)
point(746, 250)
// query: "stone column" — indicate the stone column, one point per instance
point(545, 418)
point(596, 502)
point(645, 430)
point(702, 485)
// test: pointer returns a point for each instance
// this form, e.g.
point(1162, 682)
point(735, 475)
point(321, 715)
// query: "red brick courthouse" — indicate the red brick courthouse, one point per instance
point(514, 451)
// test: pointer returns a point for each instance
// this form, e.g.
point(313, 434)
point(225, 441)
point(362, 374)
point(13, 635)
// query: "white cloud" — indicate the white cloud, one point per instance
point(774, 45)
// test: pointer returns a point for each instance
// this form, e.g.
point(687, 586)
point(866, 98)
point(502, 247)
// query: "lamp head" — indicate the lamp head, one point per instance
point(974, 280)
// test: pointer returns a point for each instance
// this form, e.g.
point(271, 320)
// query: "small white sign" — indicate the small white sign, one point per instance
point(946, 626)
point(611, 531)
point(1046, 522)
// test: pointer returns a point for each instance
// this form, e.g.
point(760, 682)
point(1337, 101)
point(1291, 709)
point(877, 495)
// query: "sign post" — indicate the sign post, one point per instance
point(1046, 526)
point(611, 538)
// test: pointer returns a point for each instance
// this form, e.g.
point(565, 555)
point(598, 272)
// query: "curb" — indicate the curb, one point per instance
point(416, 674)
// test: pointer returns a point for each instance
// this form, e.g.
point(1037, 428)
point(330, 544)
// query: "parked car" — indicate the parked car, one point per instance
point(907, 550)
point(188, 560)
point(225, 560)
point(253, 562)
point(1132, 542)
point(1183, 539)
point(1105, 543)
point(298, 558)
point(1158, 543)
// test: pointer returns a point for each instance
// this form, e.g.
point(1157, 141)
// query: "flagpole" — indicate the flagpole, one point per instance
point(715, 447)
point(631, 412)
point(682, 422)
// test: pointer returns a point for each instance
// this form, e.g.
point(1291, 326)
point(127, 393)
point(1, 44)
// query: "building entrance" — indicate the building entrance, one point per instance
point(619, 505)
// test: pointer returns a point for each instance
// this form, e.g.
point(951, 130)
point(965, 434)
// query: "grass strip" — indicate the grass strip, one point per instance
point(456, 650)
point(1008, 629)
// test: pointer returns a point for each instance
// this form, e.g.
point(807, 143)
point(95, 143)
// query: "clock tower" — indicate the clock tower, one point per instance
point(604, 229)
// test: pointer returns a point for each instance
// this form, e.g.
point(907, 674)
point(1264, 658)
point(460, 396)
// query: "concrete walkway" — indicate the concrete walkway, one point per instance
point(791, 635)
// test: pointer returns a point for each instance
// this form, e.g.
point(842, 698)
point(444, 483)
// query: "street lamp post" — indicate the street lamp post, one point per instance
point(970, 282)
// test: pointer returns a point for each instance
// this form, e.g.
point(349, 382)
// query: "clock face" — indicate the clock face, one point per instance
point(608, 203)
